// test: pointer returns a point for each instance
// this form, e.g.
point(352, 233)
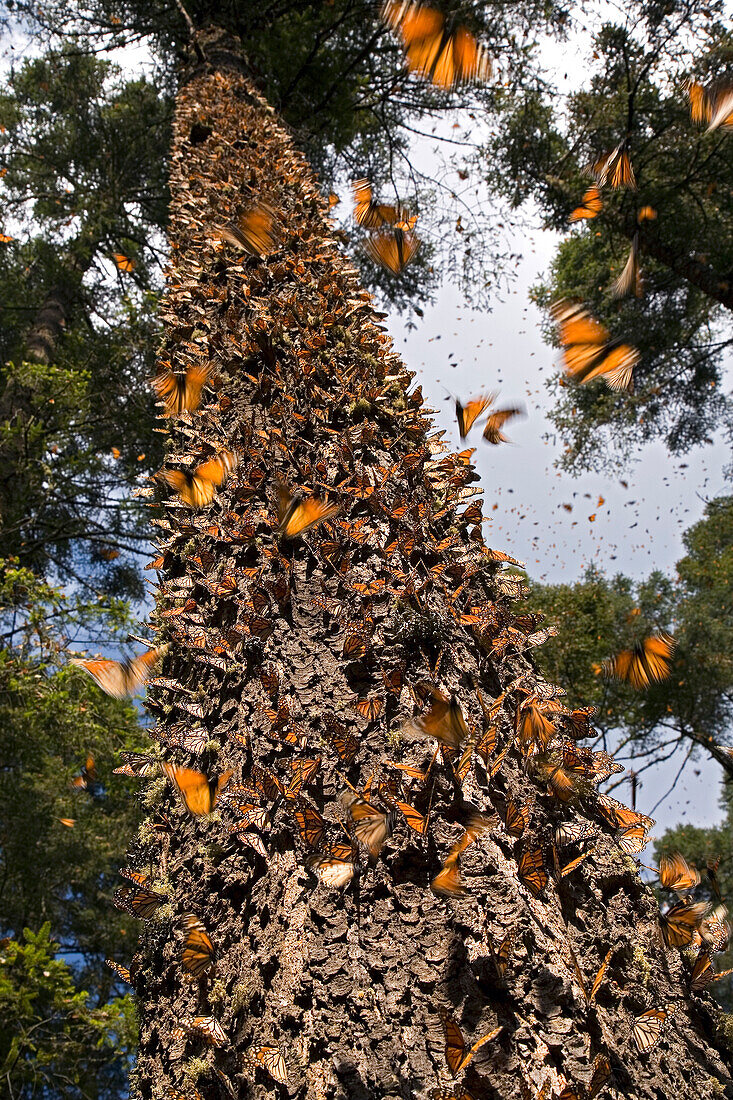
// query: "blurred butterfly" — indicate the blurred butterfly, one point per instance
point(572, 832)
point(181, 392)
point(620, 816)
point(457, 1054)
point(720, 110)
point(273, 1062)
point(88, 775)
point(444, 720)
point(122, 262)
point(392, 248)
point(590, 206)
point(371, 826)
point(447, 58)
point(69, 822)
point(680, 923)
point(492, 429)
point(533, 729)
point(675, 873)
point(251, 230)
point(715, 930)
point(646, 214)
point(647, 1029)
point(700, 105)
point(613, 169)
point(198, 950)
point(712, 873)
point(344, 742)
point(648, 662)
point(532, 873)
point(297, 515)
point(335, 867)
point(468, 414)
point(371, 214)
point(198, 793)
point(121, 678)
point(589, 352)
point(198, 488)
point(629, 281)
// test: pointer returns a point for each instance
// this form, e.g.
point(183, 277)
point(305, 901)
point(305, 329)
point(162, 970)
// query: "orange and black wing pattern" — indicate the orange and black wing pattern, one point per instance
point(445, 57)
point(588, 350)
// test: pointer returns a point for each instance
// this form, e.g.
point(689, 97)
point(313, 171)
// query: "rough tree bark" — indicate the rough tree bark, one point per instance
point(348, 983)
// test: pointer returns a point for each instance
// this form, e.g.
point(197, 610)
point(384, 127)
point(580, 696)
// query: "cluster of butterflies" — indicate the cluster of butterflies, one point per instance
point(370, 504)
point(588, 350)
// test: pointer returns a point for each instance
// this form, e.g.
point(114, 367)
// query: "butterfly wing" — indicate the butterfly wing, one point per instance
point(193, 787)
point(590, 206)
point(532, 871)
point(647, 1029)
point(198, 950)
point(468, 414)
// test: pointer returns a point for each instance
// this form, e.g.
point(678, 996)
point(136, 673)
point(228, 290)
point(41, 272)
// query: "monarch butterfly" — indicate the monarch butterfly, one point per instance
point(252, 230)
point(492, 429)
point(137, 764)
point(69, 822)
point(457, 1054)
point(715, 930)
point(468, 414)
point(650, 661)
point(371, 826)
point(122, 262)
point(646, 214)
point(443, 721)
point(181, 392)
point(633, 839)
point(120, 678)
point(370, 708)
point(451, 1094)
point(533, 729)
point(614, 169)
point(392, 248)
point(680, 923)
point(138, 901)
point(590, 206)
point(371, 214)
point(589, 994)
point(556, 778)
point(588, 350)
point(197, 488)
point(87, 777)
point(448, 879)
point(601, 1074)
point(344, 742)
point(721, 111)
point(517, 817)
point(572, 832)
point(198, 793)
point(207, 1028)
point(431, 49)
point(500, 955)
point(310, 823)
point(297, 516)
point(629, 281)
point(337, 867)
point(273, 1062)
point(354, 646)
point(486, 744)
point(532, 873)
point(647, 1029)
point(394, 679)
point(122, 972)
point(675, 873)
point(198, 950)
point(620, 816)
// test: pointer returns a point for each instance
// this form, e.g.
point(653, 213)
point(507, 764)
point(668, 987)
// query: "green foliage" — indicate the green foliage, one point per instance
point(598, 617)
point(53, 1041)
point(681, 325)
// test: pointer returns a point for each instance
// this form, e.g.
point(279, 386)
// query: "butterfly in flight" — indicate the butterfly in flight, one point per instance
point(589, 352)
point(392, 248)
point(468, 414)
point(443, 56)
point(88, 775)
point(675, 873)
point(680, 923)
point(181, 392)
point(121, 678)
point(199, 794)
point(613, 169)
point(493, 428)
point(371, 214)
point(650, 661)
point(590, 206)
point(629, 281)
point(444, 720)
point(251, 230)
point(197, 488)
point(297, 514)
point(457, 1053)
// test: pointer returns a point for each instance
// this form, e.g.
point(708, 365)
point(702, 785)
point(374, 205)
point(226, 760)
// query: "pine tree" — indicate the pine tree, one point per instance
point(380, 876)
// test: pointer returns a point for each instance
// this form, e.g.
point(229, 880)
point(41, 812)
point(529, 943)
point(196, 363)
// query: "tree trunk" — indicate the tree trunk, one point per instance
point(349, 983)
point(48, 326)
